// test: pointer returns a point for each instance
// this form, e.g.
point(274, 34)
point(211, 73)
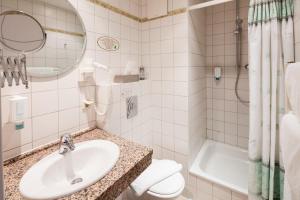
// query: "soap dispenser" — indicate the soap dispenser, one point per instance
point(218, 72)
point(18, 111)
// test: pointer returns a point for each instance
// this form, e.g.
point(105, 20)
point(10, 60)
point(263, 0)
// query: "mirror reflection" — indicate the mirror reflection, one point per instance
point(61, 48)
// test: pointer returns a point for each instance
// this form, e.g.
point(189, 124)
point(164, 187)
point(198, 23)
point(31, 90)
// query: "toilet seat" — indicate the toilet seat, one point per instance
point(161, 180)
point(169, 188)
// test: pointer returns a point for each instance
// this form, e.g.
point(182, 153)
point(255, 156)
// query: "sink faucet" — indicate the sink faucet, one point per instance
point(66, 144)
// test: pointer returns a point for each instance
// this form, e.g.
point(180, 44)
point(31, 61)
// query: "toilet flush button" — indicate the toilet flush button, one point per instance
point(132, 106)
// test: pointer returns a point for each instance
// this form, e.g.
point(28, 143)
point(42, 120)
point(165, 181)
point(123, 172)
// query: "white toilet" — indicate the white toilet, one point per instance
point(167, 189)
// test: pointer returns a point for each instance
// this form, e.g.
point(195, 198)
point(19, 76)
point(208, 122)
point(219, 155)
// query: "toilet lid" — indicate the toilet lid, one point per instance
point(169, 186)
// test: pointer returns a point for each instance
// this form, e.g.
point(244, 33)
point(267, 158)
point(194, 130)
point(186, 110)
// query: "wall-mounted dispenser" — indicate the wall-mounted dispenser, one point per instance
point(88, 103)
point(18, 111)
point(218, 72)
point(86, 73)
point(142, 74)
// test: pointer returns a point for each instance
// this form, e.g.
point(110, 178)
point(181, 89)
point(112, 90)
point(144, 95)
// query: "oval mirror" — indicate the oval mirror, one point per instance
point(49, 32)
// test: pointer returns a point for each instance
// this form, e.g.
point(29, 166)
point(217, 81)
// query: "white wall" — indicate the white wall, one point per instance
point(297, 29)
point(172, 102)
point(198, 102)
point(197, 80)
point(55, 104)
point(165, 55)
point(227, 118)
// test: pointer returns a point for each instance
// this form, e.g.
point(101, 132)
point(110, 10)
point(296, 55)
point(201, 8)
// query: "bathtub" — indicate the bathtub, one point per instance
point(222, 164)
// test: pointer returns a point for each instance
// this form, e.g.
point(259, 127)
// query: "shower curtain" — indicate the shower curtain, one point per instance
point(271, 47)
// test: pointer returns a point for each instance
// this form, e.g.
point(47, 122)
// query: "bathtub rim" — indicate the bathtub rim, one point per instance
point(197, 171)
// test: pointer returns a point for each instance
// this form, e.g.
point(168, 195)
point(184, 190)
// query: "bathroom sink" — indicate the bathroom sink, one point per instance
point(59, 175)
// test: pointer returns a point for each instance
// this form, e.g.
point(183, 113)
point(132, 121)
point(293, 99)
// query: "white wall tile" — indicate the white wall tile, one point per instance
point(13, 138)
point(44, 102)
point(172, 102)
point(70, 80)
point(68, 119)
point(222, 51)
point(68, 98)
point(51, 96)
point(43, 84)
point(44, 126)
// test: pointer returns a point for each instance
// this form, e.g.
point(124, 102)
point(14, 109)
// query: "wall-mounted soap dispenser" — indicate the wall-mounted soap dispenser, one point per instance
point(86, 74)
point(218, 72)
point(18, 111)
point(142, 73)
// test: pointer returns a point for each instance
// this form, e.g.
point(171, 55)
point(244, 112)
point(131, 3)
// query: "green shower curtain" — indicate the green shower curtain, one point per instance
point(271, 47)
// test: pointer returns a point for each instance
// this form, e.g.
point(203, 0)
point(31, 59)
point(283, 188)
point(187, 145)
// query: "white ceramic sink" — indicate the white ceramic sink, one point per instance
point(52, 176)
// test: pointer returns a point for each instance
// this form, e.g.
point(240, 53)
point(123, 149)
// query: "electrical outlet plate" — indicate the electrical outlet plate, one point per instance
point(132, 106)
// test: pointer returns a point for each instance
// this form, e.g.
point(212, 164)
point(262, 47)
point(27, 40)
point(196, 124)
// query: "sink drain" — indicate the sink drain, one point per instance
point(76, 180)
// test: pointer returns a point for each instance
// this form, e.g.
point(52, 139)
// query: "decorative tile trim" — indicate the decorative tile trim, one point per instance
point(170, 13)
point(133, 17)
point(115, 9)
point(63, 31)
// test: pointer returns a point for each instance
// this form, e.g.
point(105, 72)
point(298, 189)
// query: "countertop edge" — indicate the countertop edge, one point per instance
point(130, 176)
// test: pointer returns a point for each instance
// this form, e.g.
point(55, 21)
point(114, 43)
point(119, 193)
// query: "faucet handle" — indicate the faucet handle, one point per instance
point(67, 140)
point(65, 136)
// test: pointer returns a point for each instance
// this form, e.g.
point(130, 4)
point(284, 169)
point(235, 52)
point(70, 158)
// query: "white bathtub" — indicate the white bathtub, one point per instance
point(222, 164)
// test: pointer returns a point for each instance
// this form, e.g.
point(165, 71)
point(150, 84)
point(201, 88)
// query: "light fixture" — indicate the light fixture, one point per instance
point(208, 4)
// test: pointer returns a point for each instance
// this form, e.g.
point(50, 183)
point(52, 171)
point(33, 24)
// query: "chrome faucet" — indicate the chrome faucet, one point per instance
point(66, 144)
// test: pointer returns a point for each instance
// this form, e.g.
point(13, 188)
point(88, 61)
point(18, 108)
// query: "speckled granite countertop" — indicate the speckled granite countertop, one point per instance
point(134, 159)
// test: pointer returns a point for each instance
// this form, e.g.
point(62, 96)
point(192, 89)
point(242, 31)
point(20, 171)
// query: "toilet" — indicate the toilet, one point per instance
point(167, 189)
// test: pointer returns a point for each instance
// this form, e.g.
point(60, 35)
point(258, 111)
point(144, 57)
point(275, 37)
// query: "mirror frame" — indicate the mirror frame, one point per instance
point(19, 12)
